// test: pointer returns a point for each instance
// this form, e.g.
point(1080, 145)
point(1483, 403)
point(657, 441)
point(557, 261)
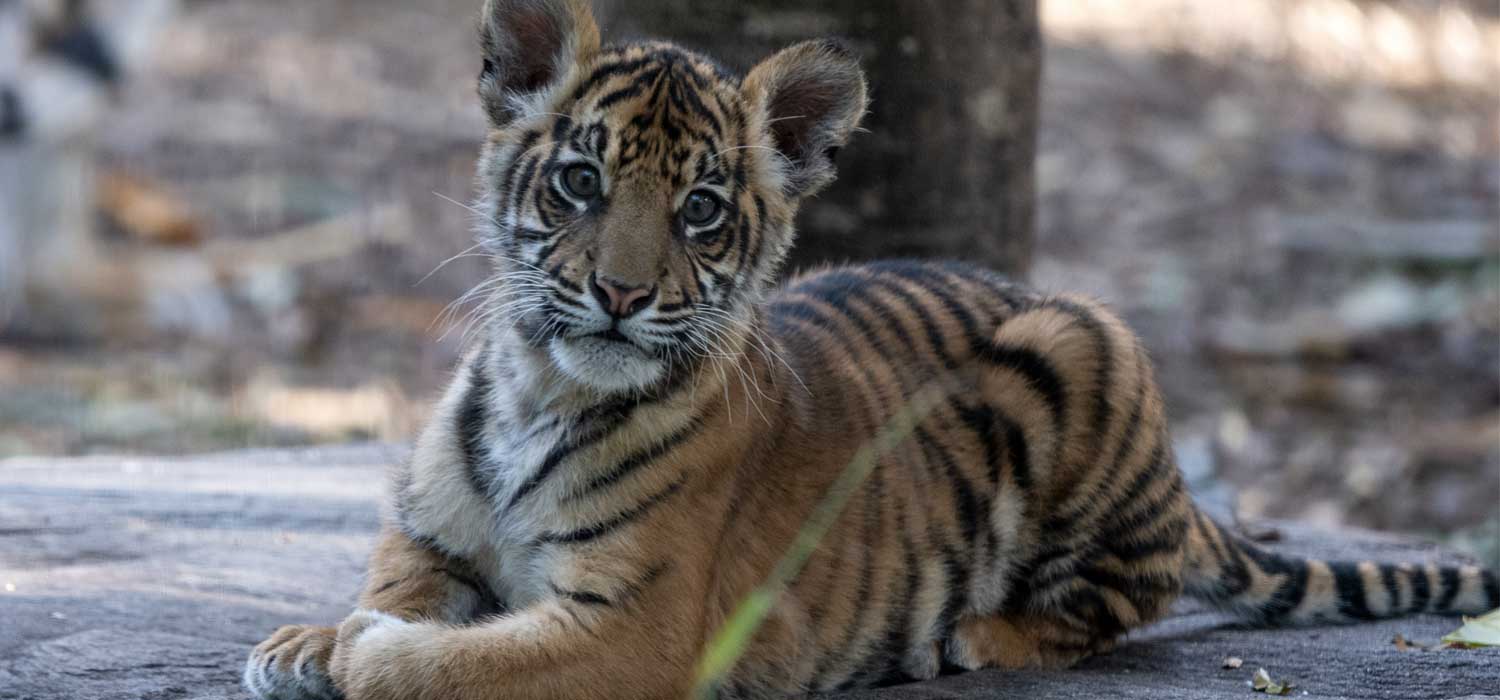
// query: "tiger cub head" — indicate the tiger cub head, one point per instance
point(638, 198)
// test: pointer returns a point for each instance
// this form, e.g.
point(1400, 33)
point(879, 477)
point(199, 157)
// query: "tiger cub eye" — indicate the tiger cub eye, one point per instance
point(700, 208)
point(582, 181)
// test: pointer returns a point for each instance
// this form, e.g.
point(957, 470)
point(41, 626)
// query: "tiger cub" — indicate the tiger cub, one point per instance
point(648, 424)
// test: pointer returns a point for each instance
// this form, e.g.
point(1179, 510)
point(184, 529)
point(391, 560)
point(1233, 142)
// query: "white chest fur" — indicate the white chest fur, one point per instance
point(486, 480)
point(521, 568)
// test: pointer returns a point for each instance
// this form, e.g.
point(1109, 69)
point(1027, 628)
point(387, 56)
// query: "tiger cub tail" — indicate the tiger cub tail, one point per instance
point(1266, 588)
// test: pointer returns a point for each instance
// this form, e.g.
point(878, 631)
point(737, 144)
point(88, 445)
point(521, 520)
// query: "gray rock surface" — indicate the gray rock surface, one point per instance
point(151, 579)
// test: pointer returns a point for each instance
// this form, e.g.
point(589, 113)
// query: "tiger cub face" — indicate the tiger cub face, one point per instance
point(638, 199)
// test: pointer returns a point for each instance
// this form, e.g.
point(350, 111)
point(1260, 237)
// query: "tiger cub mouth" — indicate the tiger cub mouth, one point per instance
point(614, 335)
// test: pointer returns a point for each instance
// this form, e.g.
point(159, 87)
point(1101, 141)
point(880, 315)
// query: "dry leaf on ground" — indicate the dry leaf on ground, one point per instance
point(1482, 631)
point(1262, 683)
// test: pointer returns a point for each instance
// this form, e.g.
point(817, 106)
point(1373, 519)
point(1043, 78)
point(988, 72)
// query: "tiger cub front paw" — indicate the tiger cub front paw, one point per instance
point(293, 665)
point(361, 626)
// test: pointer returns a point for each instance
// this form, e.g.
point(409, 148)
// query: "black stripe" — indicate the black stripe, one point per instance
point(634, 89)
point(838, 289)
point(1086, 500)
point(1102, 623)
point(695, 104)
point(612, 416)
point(1292, 590)
point(818, 608)
point(931, 281)
point(639, 459)
point(1234, 578)
point(870, 536)
point(1421, 590)
point(1129, 548)
point(471, 421)
point(1491, 589)
point(1103, 350)
point(970, 505)
point(800, 318)
point(898, 622)
point(651, 575)
point(583, 597)
point(958, 591)
point(935, 335)
point(1120, 499)
point(565, 283)
point(1349, 586)
point(488, 600)
point(593, 532)
point(1036, 371)
point(1007, 289)
point(565, 300)
point(1019, 454)
point(761, 221)
point(1130, 587)
point(981, 421)
point(508, 177)
point(1452, 583)
point(1139, 510)
point(609, 70)
point(531, 235)
point(523, 179)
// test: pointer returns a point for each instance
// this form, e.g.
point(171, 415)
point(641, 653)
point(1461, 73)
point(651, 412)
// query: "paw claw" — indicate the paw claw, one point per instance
point(292, 665)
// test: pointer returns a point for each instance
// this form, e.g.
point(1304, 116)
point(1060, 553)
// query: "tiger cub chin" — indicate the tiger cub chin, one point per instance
point(649, 422)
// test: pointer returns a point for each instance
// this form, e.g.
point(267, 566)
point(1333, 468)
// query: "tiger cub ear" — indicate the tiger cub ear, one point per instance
point(810, 97)
point(529, 48)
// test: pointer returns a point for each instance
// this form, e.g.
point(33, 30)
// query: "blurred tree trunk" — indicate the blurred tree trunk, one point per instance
point(946, 169)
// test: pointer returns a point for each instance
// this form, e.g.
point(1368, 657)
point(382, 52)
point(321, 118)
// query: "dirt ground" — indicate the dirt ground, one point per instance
point(1305, 236)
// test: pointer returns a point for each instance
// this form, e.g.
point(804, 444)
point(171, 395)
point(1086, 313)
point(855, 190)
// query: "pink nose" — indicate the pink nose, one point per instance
point(621, 301)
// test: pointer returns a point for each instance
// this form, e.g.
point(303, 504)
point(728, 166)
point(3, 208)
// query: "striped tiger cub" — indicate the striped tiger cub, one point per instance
point(649, 422)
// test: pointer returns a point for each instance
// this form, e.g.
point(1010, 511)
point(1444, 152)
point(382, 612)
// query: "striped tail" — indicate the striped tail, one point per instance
point(1267, 588)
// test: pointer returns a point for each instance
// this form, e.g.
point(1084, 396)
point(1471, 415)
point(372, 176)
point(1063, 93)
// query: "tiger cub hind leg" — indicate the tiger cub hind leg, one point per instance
point(293, 665)
point(1025, 641)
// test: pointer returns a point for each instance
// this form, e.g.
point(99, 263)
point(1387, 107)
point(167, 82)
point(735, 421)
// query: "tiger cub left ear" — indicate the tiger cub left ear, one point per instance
point(811, 97)
point(530, 46)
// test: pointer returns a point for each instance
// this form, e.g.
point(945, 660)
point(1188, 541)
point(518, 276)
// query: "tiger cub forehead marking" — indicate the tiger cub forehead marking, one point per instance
point(661, 112)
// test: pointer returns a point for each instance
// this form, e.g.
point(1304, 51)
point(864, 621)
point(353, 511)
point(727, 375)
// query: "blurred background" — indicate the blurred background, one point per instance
point(239, 223)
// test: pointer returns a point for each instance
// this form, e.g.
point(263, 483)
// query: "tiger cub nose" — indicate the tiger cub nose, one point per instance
point(621, 301)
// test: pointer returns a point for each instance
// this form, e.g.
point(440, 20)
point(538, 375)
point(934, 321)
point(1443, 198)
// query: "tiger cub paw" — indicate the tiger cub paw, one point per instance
point(293, 665)
point(363, 621)
point(356, 635)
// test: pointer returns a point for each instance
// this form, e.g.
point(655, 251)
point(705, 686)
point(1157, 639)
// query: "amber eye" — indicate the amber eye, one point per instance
point(582, 181)
point(700, 208)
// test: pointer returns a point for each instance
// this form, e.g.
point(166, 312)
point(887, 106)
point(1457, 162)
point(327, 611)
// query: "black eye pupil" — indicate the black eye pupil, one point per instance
point(581, 180)
point(700, 208)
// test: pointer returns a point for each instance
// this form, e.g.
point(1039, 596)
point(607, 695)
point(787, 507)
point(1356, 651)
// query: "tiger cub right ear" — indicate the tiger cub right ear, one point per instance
point(810, 97)
point(529, 48)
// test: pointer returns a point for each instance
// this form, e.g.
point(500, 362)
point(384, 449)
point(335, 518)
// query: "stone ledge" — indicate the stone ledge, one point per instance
point(151, 578)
